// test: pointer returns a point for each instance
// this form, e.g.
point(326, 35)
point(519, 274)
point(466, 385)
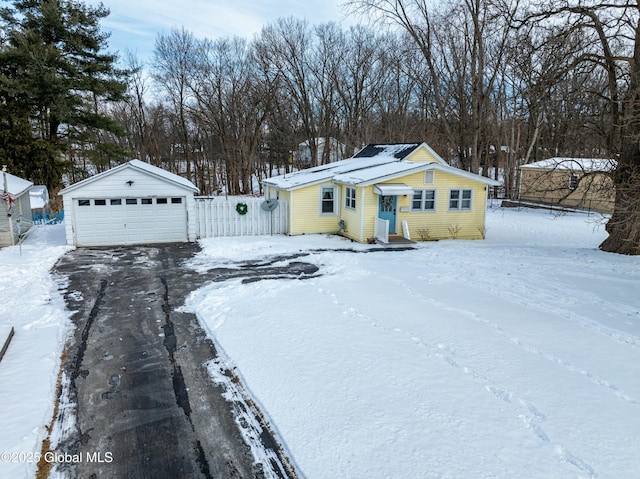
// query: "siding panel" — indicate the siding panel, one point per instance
point(351, 218)
point(421, 155)
point(305, 212)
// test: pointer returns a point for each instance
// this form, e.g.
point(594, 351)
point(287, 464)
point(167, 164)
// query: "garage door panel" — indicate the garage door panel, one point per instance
point(114, 222)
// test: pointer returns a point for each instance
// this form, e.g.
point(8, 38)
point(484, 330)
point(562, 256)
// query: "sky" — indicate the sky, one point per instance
point(135, 24)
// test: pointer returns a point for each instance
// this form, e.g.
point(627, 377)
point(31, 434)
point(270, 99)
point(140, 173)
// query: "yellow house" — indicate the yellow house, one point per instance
point(384, 192)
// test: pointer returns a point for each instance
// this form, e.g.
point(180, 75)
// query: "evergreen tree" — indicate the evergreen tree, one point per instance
point(54, 81)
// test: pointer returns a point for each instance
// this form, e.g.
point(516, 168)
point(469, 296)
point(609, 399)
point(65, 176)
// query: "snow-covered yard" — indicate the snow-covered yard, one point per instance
point(514, 357)
point(30, 302)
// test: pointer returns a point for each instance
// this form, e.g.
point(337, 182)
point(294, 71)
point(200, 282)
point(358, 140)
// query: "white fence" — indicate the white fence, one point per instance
point(218, 216)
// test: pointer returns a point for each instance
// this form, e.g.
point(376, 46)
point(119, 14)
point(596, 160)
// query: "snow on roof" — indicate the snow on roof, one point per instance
point(364, 171)
point(140, 165)
point(38, 196)
point(373, 163)
point(367, 158)
point(580, 164)
point(378, 172)
point(326, 172)
point(15, 185)
point(162, 173)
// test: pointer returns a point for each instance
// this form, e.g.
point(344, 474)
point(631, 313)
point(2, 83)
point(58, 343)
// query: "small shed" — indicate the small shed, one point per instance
point(133, 203)
point(569, 182)
point(15, 208)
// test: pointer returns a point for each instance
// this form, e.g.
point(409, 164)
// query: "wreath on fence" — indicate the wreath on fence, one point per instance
point(242, 208)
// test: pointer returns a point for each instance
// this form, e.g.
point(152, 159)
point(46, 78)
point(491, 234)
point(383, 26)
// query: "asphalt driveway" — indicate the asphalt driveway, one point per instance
point(143, 401)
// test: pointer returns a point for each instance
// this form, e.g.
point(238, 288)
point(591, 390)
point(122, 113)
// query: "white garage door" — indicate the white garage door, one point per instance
point(120, 221)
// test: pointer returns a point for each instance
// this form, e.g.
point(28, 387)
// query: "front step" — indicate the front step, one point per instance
point(396, 240)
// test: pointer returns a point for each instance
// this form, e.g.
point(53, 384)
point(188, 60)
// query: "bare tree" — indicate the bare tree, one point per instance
point(563, 82)
point(233, 102)
point(133, 110)
point(288, 43)
point(174, 56)
point(463, 46)
point(613, 30)
point(326, 58)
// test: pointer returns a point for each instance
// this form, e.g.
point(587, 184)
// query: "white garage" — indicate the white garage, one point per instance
point(133, 203)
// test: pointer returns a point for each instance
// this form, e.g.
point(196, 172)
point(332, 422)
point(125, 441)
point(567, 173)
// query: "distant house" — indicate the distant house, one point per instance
point(15, 209)
point(385, 190)
point(570, 182)
point(39, 199)
point(329, 151)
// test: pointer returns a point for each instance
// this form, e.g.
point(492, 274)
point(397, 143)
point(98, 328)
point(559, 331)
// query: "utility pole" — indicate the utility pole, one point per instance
point(6, 190)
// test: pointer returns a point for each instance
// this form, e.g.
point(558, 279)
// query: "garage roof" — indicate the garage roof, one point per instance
point(141, 166)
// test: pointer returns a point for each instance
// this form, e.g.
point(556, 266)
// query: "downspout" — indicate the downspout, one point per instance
point(484, 213)
point(291, 211)
point(6, 190)
point(362, 214)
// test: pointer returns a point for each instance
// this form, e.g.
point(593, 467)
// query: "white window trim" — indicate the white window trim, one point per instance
point(335, 200)
point(422, 202)
point(460, 208)
point(348, 199)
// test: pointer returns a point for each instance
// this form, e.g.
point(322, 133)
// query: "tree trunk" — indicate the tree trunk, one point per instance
point(624, 225)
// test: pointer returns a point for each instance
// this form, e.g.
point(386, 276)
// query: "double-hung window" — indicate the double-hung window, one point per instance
point(350, 198)
point(423, 200)
point(327, 200)
point(460, 200)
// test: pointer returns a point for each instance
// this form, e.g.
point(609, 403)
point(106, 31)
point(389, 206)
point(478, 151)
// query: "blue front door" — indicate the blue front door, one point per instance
point(387, 211)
